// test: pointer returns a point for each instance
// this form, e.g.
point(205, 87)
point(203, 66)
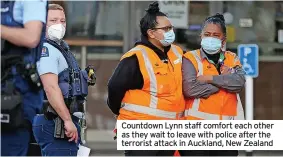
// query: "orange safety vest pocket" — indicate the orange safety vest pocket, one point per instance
point(165, 81)
point(230, 107)
point(213, 104)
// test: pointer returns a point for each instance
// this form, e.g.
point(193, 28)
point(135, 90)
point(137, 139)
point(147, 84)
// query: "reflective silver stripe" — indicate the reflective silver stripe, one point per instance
point(153, 82)
point(135, 49)
point(240, 110)
point(200, 66)
point(194, 111)
point(206, 116)
point(177, 53)
point(151, 111)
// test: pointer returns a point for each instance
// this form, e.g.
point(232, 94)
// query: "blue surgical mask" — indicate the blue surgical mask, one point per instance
point(211, 45)
point(169, 38)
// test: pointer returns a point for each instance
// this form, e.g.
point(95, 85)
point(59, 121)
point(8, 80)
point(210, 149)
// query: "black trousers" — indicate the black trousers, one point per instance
point(208, 152)
point(149, 152)
point(34, 149)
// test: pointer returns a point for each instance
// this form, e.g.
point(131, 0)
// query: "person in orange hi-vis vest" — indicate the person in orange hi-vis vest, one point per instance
point(147, 83)
point(212, 79)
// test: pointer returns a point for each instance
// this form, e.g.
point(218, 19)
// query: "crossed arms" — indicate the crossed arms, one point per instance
point(204, 86)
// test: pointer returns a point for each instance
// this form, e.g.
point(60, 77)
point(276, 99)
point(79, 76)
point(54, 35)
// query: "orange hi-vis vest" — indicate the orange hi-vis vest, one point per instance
point(161, 96)
point(223, 105)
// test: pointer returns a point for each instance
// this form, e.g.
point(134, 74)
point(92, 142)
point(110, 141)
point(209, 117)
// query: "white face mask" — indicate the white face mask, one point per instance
point(169, 38)
point(211, 45)
point(56, 32)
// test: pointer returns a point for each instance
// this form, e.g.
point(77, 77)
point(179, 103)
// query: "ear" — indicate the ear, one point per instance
point(150, 33)
point(223, 42)
point(223, 48)
point(201, 35)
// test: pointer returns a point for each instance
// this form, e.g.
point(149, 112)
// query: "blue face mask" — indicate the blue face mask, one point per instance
point(211, 45)
point(169, 38)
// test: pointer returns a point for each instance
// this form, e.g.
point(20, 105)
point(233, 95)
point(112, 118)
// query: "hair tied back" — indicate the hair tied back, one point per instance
point(153, 8)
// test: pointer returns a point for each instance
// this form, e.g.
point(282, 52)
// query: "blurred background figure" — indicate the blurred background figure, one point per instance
point(22, 34)
point(57, 130)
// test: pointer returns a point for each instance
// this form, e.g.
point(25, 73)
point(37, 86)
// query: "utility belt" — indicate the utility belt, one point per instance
point(59, 131)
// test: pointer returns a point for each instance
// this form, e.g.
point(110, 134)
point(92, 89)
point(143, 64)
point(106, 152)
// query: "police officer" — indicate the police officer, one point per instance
point(65, 85)
point(22, 34)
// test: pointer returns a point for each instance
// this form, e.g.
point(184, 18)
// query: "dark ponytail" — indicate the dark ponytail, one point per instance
point(149, 19)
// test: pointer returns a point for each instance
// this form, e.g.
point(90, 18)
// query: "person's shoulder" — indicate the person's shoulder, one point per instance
point(230, 54)
point(191, 56)
point(35, 10)
point(191, 53)
point(32, 3)
point(179, 48)
point(49, 50)
point(50, 46)
point(131, 54)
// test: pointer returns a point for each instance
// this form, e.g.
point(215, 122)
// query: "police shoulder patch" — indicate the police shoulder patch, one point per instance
point(44, 52)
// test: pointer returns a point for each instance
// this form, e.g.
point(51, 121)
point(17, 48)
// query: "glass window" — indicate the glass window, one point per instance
point(199, 11)
point(262, 15)
point(95, 20)
point(81, 17)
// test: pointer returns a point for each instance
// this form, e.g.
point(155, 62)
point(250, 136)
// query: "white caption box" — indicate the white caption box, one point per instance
point(199, 135)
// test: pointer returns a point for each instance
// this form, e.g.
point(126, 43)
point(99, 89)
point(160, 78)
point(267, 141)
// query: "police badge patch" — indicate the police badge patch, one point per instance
point(44, 52)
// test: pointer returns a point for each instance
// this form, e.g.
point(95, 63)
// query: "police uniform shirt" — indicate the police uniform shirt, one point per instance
point(26, 11)
point(51, 61)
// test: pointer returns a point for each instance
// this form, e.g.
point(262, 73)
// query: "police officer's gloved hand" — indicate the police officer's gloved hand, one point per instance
point(91, 75)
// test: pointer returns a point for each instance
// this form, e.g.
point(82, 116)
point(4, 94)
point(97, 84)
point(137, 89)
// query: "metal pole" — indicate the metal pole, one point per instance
point(83, 118)
point(83, 57)
point(127, 27)
point(132, 23)
point(249, 104)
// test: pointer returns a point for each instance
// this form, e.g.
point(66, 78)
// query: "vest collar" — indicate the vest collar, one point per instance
point(204, 56)
point(162, 55)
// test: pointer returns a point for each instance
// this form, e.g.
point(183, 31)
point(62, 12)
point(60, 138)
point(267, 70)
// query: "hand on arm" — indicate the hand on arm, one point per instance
point(231, 79)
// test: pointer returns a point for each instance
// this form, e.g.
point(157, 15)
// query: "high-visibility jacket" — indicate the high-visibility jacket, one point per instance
point(161, 96)
point(222, 105)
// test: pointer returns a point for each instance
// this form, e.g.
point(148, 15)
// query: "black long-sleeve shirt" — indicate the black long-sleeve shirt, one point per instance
point(127, 76)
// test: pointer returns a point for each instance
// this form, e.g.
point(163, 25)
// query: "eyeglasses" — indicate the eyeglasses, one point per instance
point(166, 29)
